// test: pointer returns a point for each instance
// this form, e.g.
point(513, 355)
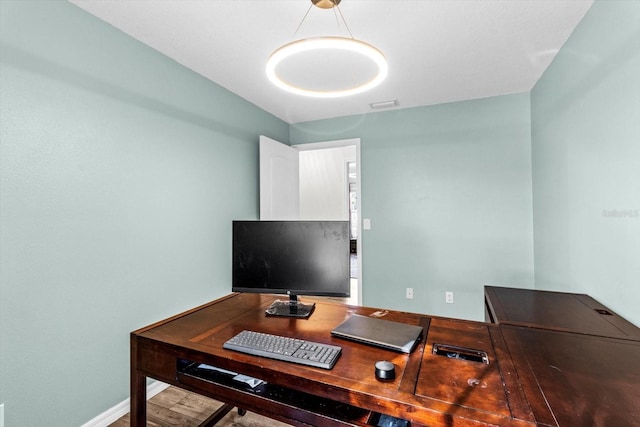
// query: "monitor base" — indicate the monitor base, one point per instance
point(290, 308)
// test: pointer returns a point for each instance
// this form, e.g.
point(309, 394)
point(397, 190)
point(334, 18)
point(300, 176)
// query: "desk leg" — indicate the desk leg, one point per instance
point(217, 416)
point(138, 414)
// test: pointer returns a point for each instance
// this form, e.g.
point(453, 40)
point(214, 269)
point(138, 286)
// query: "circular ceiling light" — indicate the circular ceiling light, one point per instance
point(321, 44)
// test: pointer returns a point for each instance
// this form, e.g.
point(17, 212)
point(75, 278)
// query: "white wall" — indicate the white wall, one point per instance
point(324, 185)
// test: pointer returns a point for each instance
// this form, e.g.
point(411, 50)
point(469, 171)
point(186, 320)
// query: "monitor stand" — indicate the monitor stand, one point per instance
point(290, 308)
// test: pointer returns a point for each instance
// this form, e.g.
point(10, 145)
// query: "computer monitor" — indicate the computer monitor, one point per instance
point(292, 258)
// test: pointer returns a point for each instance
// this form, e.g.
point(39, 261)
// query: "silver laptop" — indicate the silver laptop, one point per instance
point(380, 333)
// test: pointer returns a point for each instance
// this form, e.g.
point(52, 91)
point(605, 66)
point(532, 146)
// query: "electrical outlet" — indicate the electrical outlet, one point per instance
point(409, 293)
point(448, 297)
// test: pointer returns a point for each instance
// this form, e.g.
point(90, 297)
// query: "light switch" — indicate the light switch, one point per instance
point(366, 224)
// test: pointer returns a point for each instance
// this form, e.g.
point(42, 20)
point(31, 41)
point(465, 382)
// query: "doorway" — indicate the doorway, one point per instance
point(329, 195)
point(335, 166)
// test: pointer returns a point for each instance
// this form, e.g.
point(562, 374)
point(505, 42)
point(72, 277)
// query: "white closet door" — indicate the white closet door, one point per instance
point(279, 181)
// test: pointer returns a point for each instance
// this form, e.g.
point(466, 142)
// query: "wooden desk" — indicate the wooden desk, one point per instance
point(428, 390)
point(578, 362)
point(560, 311)
point(575, 379)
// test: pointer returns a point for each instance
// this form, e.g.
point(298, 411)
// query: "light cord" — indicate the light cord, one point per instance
point(343, 20)
point(301, 22)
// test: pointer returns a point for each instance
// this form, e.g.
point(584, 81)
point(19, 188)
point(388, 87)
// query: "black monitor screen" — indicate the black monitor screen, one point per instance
point(291, 257)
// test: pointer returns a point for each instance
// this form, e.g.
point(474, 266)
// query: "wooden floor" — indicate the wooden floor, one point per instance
point(176, 407)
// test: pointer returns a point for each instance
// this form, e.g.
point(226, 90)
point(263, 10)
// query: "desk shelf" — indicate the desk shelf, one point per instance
point(316, 410)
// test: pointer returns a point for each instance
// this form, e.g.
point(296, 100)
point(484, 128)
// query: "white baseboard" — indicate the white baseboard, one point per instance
point(113, 414)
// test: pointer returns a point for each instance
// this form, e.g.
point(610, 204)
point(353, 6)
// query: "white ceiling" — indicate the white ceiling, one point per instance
point(438, 50)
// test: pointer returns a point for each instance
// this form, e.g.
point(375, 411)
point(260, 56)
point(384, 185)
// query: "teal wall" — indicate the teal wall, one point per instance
point(121, 170)
point(586, 161)
point(120, 174)
point(448, 192)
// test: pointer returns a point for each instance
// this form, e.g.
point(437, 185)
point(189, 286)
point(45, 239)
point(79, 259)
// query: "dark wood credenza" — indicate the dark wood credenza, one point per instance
point(559, 311)
point(578, 362)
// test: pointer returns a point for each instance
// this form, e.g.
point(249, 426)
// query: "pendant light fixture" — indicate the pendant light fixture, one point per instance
point(327, 66)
